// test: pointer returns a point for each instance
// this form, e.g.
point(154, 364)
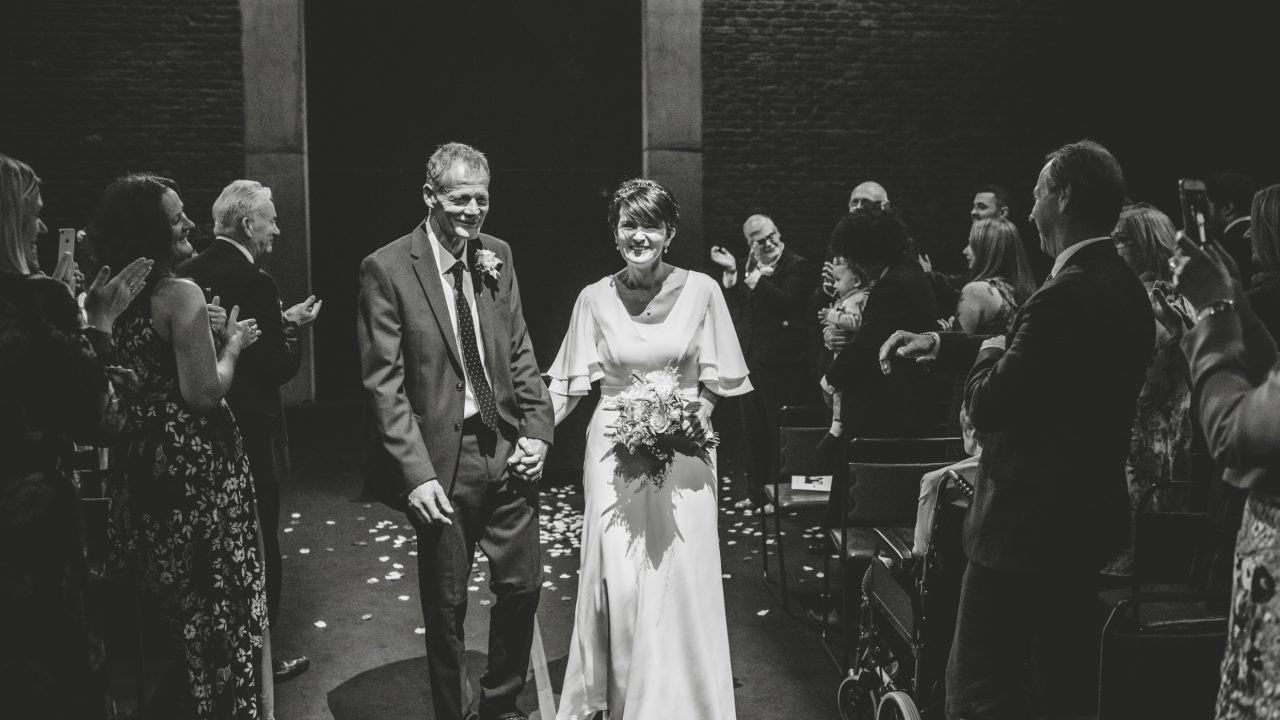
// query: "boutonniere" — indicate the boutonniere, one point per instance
point(489, 264)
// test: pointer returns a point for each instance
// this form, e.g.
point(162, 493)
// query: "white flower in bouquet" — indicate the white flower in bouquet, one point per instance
point(651, 416)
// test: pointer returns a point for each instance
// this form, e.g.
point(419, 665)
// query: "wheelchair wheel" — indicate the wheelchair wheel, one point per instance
point(854, 701)
point(897, 705)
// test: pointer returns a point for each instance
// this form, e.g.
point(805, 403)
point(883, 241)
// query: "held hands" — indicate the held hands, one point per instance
point(1204, 275)
point(723, 258)
point(429, 505)
point(905, 344)
point(105, 299)
point(304, 313)
point(217, 318)
point(241, 334)
point(696, 423)
point(527, 461)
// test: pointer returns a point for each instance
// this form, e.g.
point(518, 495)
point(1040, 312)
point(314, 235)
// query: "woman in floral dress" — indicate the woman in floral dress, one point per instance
point(191, 516)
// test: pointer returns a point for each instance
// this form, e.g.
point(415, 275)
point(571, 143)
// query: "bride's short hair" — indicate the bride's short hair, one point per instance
point(645, 202)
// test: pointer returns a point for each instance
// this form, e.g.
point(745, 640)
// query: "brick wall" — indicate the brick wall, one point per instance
point(93, 89)
point(803, 100)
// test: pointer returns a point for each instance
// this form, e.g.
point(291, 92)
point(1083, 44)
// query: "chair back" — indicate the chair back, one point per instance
point(798, 452)
point(906, 450)
point(885, 493)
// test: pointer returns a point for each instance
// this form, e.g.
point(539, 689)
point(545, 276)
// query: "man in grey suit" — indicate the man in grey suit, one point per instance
point(463, 422)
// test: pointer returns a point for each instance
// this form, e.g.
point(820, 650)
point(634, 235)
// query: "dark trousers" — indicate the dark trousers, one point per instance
point(500, 513)
point(773, 390)
point(1026, 645)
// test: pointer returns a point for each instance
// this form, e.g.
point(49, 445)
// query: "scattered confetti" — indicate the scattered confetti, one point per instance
point(304, 551)
point(393, 575)
point(360, 543)
point(288, 529)
point(486, 602)
point(372, 580)
point(367, 616)
point(420, 631)
point(330, 522)
point(397, 566)
point(762, 613)
point(321, 624)
point(295, 516)
point(403, 598)
point(384, 558)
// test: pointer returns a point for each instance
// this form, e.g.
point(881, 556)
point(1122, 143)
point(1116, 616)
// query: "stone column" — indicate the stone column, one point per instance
point(672, 87)
point(275, 150)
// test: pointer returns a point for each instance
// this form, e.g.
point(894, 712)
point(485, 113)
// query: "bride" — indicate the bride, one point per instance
point(649, 637)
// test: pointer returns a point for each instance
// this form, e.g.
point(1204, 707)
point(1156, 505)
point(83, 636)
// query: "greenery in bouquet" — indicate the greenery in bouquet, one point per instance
point(651, 419)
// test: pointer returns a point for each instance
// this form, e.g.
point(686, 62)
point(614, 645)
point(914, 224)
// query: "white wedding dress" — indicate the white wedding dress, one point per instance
point(650, 640)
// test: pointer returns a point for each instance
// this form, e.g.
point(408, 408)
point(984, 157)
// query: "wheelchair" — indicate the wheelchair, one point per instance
point(909, 607)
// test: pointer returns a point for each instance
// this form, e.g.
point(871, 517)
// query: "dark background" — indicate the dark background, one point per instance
point(801, 101)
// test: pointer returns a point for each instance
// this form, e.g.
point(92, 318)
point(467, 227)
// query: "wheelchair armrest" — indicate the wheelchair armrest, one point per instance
point(896, 542)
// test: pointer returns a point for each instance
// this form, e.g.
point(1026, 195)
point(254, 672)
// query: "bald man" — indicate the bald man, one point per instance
point(868, 195)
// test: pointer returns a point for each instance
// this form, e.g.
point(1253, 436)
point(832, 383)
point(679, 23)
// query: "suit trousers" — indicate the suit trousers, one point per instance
point(774, 389)
point(1026, 644)
point(499, 512)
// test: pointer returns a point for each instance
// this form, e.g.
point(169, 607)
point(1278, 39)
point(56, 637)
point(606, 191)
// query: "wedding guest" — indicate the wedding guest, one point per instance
point(244, 218)
point(1159, 448)
point(869, 195)
point(844, 317)
point(191, 518)
point(989, 202)
point(1230, 194)
point(900, 405)
point(1235, 378)
point(769, 292)
point(650, 635)
point(54, 390)
point(1001, 281)
point(1264, 290)
point(463, 423)
point(1054, 411)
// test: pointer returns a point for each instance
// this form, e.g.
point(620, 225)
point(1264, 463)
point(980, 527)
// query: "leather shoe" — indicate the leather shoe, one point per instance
point(287, 668)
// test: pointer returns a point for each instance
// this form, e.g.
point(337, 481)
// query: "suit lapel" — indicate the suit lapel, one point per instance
point(428, 271)
point(484, 306)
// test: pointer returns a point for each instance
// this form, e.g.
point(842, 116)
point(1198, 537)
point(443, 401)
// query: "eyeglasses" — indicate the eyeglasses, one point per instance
point(767, 238)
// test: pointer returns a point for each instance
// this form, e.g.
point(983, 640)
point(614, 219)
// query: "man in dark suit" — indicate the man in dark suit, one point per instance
point(245, 227)
point(463, 423)
point(905, 404)
point(1230, 201)
point(768, 294)
point(1054, 411)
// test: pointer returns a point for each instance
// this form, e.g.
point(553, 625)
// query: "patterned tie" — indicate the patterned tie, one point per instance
point(471, 353)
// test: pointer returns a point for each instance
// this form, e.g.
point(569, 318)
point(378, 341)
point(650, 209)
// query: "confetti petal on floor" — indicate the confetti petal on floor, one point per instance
point(762, 613)
point(295, 516)
point(304, 551)
point(367, 616)
point(321, 624)
point(420, 631)
point(403, 598)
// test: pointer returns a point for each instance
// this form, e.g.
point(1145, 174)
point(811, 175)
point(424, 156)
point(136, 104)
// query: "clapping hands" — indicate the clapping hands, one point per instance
point(304, 313)
point(722, 257)
point(107, 297)
point(241, 334)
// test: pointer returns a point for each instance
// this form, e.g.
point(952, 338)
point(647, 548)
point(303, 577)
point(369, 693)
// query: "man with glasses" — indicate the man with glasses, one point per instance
point(769, 294)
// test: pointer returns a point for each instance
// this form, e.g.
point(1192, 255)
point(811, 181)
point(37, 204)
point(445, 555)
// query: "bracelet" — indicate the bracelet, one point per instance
point(1213, 308)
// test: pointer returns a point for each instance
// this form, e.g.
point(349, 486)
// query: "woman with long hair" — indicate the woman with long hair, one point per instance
point(191, 517)
point(1002, 278)
point(54, 390)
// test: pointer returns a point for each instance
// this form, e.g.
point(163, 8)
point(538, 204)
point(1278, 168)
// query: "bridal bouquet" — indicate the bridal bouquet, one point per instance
point(651, 416)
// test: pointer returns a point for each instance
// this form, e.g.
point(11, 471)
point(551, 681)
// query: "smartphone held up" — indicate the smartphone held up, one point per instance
point(1195, 210)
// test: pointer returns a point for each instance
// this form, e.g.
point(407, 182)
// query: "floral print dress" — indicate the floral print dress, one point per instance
point(193, 528)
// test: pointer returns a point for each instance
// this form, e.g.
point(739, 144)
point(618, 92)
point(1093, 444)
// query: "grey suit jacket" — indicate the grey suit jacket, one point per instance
point(412, 366)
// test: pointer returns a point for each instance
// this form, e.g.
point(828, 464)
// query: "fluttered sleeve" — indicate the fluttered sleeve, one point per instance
point(577, 364)
point(721, 366)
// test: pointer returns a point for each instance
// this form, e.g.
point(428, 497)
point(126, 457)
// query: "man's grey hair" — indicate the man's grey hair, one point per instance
point(444, 158)
point(238, 201)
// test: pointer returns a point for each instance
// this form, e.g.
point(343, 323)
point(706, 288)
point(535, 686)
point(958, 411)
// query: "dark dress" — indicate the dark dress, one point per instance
point(53, 390)
point(193, 526)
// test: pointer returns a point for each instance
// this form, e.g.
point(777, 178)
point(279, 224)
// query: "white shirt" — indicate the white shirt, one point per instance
point(248, 255)
point(1065, 255)
point(445, 260)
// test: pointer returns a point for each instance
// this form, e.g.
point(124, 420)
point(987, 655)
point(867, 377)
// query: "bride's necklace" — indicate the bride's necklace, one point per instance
point(648, 308)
